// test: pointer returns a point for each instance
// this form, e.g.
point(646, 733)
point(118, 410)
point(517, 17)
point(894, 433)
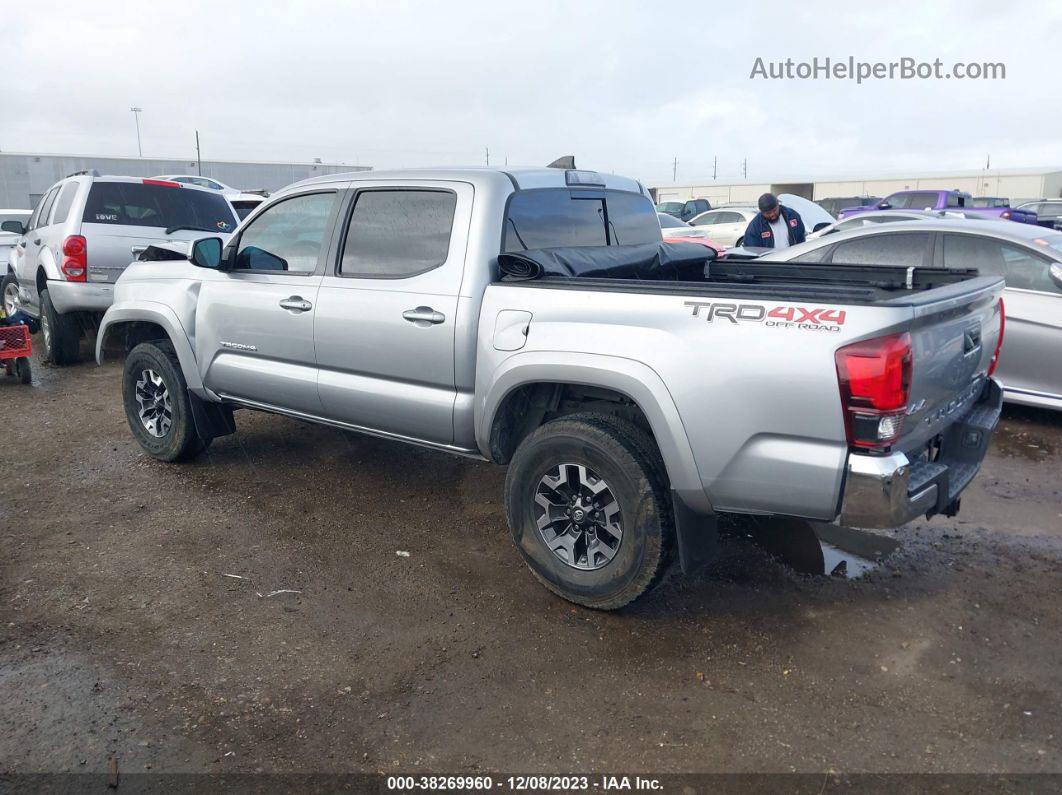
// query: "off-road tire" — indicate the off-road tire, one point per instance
point(625, 457)
point(181, 441)
point(62, 334)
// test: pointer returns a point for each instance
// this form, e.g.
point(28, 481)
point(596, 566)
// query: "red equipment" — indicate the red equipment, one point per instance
point(15, 352)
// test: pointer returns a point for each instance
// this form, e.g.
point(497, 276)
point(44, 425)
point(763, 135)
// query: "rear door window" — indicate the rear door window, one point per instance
point(707, 219)
point(907, 250)
point(63, 203)
point(46, 206)
point(157, 206)
point(551, 218)
point(394, 234)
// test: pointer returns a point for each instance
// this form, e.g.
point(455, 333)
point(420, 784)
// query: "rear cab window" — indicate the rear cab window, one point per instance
point(157, 206)
point(556, 217)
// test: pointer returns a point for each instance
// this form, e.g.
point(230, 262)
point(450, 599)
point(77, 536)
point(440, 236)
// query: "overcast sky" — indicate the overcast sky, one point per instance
point(625, 86)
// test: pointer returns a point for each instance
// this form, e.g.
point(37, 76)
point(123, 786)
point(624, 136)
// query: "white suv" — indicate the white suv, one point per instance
point(84, 232)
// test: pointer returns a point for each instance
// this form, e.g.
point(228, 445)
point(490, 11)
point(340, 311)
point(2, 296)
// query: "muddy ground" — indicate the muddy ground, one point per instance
point(122, 637)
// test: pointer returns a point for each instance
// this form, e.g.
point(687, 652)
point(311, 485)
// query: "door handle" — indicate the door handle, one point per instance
point(424, 316)
point(296, 304)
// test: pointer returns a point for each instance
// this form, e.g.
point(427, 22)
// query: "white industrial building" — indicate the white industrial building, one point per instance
point(1016, 184)
point(25, 177)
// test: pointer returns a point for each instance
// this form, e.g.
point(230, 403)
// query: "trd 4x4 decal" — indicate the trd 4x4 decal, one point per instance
point(822, 319)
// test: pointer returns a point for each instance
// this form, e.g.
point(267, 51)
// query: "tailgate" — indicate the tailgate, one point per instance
point(954, 338)
point(111, 248)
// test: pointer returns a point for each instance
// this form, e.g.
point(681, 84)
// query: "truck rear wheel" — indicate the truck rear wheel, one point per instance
point(588, 506)
point(62, 335)
point(157, 405)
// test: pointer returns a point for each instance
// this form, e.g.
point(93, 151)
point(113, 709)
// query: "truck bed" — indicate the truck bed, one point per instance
point(851, 284)
point(747, 354)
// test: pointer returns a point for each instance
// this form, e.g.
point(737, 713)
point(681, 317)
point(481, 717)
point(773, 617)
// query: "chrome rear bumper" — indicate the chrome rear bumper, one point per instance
point(889, 491)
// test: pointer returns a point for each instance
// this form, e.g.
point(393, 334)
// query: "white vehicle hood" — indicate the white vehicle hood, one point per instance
point(810, 213)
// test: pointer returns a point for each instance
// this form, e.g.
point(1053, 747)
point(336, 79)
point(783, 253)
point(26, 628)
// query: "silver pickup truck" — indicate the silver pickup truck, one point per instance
point(536, 319)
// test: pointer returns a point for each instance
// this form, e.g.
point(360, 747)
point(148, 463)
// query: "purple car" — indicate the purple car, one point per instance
point(946, 200)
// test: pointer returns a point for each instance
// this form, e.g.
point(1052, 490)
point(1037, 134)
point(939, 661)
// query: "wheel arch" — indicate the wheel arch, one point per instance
point(145, 321)
point(532, 388)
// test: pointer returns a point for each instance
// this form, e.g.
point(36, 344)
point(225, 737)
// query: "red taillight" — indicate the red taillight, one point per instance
point(165, 182)
point(875, 379)
point(75, 259)
point(999, 343)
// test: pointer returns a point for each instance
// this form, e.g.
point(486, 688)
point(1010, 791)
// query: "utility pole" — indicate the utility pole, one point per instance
point(715, 167)
point(745, 168)
point(198, 157)
point(136, 115)
point(674, 170)
point(487, 150)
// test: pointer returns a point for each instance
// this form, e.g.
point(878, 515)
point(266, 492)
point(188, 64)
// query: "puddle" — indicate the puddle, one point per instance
point(821, 549)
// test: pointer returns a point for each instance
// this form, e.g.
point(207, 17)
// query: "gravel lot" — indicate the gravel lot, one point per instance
point(122, 637)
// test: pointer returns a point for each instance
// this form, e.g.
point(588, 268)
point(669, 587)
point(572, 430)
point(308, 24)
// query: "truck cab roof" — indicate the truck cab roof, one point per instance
point(520, 178)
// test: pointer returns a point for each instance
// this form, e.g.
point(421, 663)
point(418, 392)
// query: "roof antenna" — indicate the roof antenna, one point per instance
point(568, 161)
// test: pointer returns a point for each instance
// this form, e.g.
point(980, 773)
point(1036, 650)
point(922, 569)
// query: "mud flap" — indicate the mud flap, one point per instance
point(696, 536)
point(211, 419)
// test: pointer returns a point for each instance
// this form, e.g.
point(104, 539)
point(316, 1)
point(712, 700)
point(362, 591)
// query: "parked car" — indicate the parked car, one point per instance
point(473, 332)
point(725, 226)
point(946, 200)
point(669, 222)
point(12, 225)
point(676, 231)
point(1029, 258)
point(84, 232)
point(1048, 211)
point(882, 217)
point(979, 202)
point(835, 204)
point(243, 202)
point(684, 211)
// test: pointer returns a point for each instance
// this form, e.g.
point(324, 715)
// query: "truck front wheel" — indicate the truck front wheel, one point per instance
point(588, 506)
point(157, 405)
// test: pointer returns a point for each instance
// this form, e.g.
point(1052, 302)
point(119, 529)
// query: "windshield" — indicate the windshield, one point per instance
point(553, 217)
point(159, 206)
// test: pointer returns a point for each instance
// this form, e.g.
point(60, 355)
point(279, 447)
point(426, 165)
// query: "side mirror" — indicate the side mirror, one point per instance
point(13, 226)
point(1056, 273)
point(206, 252)
point(884, 206)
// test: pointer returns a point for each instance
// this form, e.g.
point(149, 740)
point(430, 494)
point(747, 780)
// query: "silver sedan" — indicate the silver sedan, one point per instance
point(1029, 258)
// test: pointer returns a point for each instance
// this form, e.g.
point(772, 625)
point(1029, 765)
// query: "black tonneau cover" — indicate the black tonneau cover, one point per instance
point(648, 261)
point(694, 263)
